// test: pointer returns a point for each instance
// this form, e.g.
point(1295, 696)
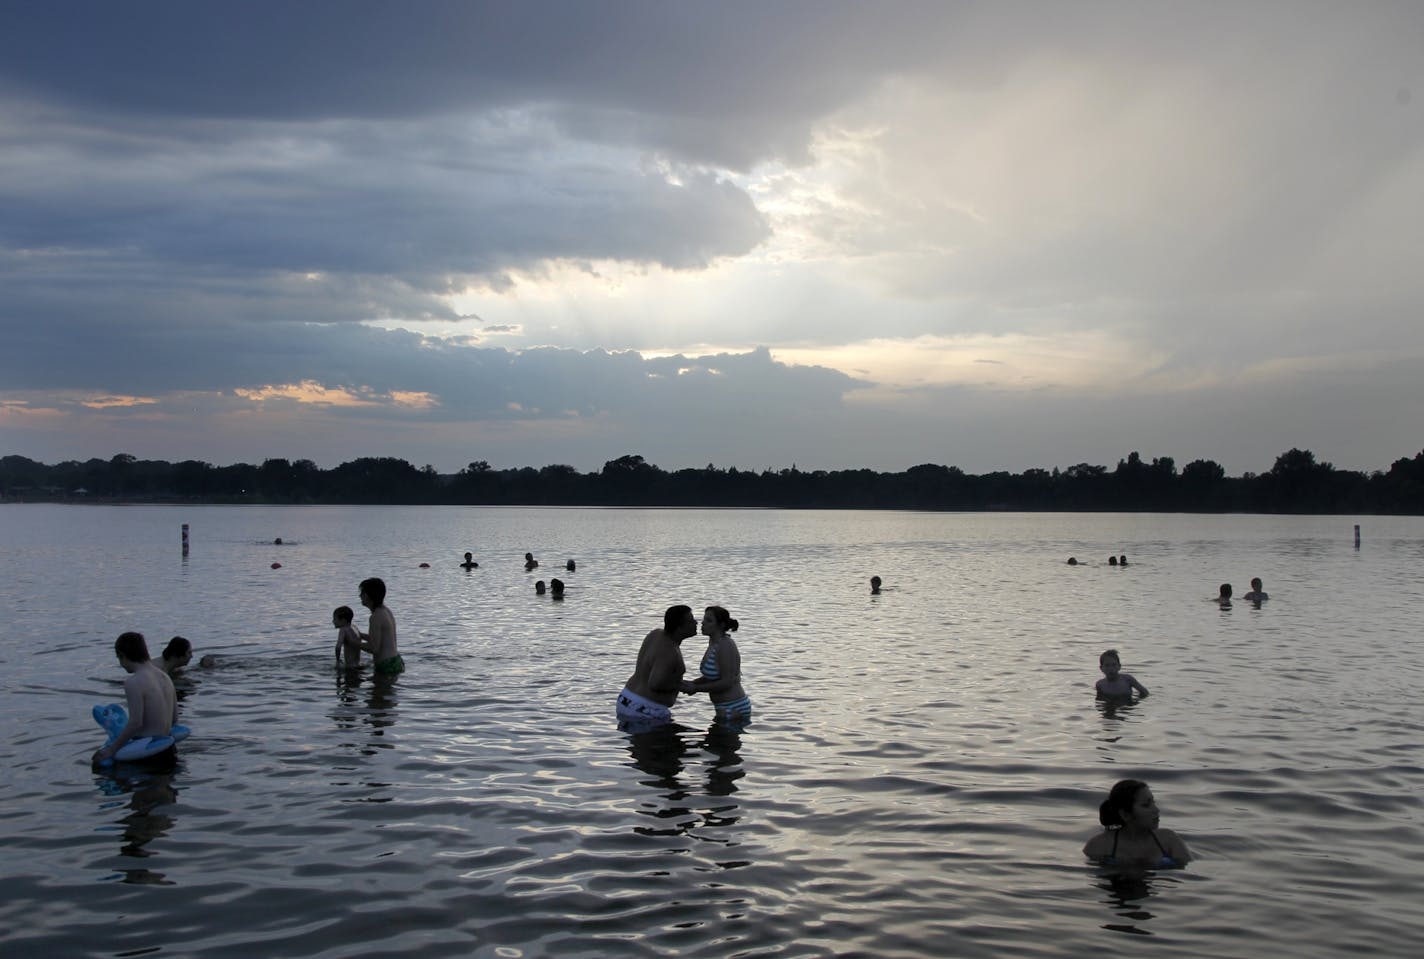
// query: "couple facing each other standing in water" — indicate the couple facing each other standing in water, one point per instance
point(651, 692)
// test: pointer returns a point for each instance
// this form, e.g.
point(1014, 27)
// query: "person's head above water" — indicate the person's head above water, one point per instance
point(1110, 662)
point(342, 615)
point(678, 622)
point(131, 646)
point(556, 586)
point(875, 584)
point(1112, 560)
point(178, 648)
point(373, 591)
point(539, 587)
point(1225, 592)
point(718, 617)
point(1129, 804)
point(1256, 583)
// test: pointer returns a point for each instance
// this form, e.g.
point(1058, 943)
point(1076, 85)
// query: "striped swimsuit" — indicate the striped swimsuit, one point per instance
point(710, 670)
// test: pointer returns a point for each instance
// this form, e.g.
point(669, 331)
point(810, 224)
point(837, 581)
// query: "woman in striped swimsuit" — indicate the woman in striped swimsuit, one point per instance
point(721, 668)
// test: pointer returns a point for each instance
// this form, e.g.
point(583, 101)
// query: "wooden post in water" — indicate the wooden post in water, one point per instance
point(1357, 536)
point(185, 538)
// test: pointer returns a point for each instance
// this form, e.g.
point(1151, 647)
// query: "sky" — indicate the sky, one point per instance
point(827, 235)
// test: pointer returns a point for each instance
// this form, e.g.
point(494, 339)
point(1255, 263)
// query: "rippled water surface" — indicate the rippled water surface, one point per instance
point(919, 778)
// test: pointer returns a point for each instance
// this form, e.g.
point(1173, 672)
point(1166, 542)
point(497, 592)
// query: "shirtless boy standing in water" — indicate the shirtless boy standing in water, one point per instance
point(148, 693)
point(380, 642)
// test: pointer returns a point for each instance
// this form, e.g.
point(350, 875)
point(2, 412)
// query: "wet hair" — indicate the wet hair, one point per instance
point(177, 648)
point(1112, 560)
point(1109, 653)
point(557, 586)
point(723, 619)
point(468, 556)
point(132, 647)
point(1256, 583)
point(375, 590)
point(570, 566)
point(1226, 590)
point(674, 617)
point(539, 587)
point(1121, 797)
point(343, 614)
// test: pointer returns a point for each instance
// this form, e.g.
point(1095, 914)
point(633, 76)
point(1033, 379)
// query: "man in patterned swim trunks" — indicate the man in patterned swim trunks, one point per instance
point(652, 689)
point(380, 642)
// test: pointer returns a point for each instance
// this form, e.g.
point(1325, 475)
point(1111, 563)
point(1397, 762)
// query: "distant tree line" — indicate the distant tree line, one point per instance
point(1297, 483)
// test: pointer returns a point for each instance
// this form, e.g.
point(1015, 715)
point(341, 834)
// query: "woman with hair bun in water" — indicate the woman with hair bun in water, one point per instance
point(1131, 836)
point(721, 668)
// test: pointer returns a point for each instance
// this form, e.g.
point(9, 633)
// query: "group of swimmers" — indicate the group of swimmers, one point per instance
point(1131, 836)
point(1112, 561)
point(1257, 595)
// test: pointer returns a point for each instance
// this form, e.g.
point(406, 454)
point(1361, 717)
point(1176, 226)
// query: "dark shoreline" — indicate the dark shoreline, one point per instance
point(1296, 485)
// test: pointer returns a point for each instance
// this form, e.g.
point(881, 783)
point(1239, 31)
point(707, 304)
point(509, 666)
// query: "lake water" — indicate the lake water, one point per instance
point(921, 772)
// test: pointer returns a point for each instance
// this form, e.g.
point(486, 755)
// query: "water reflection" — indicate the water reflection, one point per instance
point(1126, 891)
point(148, 815)
point(662, 752)
point(379, 694)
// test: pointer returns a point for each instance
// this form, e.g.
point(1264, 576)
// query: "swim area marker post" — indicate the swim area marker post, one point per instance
point(185, 539)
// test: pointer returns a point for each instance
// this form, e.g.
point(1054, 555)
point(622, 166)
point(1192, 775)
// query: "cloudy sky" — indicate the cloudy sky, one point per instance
point(835, 235)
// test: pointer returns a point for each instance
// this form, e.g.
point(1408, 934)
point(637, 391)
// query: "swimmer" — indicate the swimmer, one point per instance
point(1112, 560)
point(1072, 561)
point(380, 642)
point(539, 588)
point(1223, 596)
point(530, 563)
point(875, 586)
point(1116, 684)
point(469, 563)
point(651, 691)
point(1130, 835)
point(570, 566)
point(277, 541)
point(348, 638)
point(1257, 594)
point(177, 654)
point(556, 588)
point(721, 668)
point(1122, 560)
point(148, 693)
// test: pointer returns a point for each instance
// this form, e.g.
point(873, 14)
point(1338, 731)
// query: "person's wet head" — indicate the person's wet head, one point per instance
point(874, 584)
point(539, 588)
point(1130, 804)
point(556, 588)
point(177, 654)
point(1110, 663)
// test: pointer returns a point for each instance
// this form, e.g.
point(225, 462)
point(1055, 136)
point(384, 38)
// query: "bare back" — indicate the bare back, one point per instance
point(152, 703)
point(381, 640)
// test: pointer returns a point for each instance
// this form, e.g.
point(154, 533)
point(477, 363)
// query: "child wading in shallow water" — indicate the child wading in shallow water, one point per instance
point(348, 639)
point(1116, 684)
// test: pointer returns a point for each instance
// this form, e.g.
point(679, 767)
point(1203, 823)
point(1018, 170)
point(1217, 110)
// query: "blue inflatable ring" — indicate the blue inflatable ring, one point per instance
point(114, 717)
